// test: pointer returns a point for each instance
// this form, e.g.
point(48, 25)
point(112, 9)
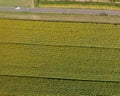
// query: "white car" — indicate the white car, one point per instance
point(17, 8)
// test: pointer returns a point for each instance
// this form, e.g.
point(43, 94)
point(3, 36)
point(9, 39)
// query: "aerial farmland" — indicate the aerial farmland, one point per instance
point(58, 54)
point(23, 3)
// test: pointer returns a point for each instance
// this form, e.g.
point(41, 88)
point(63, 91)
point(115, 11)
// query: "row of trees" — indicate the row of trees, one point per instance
point(114, 0)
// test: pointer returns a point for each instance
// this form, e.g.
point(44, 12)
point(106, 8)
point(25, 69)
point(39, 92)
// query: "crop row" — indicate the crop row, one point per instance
point(74, 4)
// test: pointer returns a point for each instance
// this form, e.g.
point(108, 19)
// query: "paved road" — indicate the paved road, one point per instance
point(62, 11)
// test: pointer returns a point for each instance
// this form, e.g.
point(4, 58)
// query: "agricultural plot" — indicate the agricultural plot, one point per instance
point(64, 50)
point(27, 86)
point(74, 4)
point(60, 62)
point(22, 3)
point(60, 33)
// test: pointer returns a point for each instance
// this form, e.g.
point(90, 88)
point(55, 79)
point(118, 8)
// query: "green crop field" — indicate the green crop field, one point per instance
point(38, 51)
point(23, 86)
point(73, 4)
point(60, 33)
point(23, 3)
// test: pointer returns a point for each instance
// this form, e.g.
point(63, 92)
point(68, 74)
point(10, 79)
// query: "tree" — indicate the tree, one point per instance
point(112, 0)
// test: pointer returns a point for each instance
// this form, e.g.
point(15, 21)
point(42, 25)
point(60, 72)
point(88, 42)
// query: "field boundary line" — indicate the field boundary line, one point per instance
point(50, 45)
point(64, 79)
point(70, 21)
